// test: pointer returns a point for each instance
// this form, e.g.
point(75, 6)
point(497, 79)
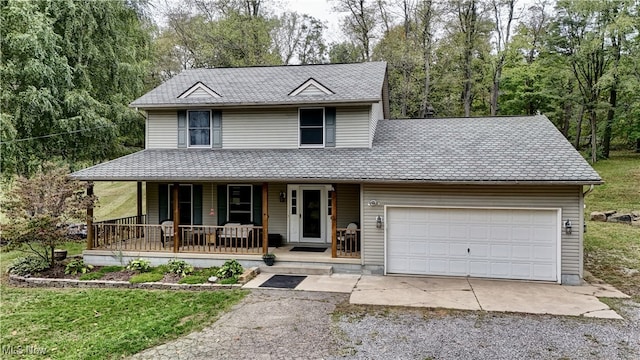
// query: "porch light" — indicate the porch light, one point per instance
point(283, 196)
point(378, 222)
point(568, 227)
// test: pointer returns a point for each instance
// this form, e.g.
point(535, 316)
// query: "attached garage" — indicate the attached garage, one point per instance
point(505, 243)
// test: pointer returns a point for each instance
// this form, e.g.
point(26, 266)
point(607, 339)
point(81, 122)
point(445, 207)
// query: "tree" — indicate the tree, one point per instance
point(360, 23)
point(502, 37)
point(299, 37)
point(39, 208)
point(69, 70)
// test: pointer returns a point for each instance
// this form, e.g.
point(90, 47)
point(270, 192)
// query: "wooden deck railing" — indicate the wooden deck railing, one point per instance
point(129, 220)
point(245, 239)
point(348, 243)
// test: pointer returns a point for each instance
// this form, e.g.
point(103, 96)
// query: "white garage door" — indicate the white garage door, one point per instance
point(493, 243)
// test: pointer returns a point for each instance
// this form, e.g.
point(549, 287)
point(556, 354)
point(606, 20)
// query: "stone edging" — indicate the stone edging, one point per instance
point(105, 284)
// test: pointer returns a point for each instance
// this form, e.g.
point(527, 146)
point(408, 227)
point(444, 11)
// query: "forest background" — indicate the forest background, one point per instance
point(70, 68)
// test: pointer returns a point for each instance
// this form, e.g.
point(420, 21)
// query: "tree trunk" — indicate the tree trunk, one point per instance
point(495, 89)
point(579, 128)
point(594, 133)
point(606, 140)
point(568, 112)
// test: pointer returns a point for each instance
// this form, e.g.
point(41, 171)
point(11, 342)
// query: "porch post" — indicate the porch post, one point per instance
point(176, 216)
point(334, 221)
point(90, 234)
point(139, 202)
point(265, 218)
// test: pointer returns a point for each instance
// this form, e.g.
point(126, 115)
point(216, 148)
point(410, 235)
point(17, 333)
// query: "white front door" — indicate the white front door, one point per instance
point(308, 213)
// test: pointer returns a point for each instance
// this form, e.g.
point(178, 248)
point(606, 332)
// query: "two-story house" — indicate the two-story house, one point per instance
point(241, 160)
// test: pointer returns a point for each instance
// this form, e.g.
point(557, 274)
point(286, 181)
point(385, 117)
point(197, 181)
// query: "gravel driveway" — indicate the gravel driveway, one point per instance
point(283, 324)
point(442, 334)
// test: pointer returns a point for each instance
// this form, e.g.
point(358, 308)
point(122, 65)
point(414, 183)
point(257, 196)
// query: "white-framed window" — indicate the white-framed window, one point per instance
point(199, 123)
point(311, 127)
point(240, 203)
point(185, 203)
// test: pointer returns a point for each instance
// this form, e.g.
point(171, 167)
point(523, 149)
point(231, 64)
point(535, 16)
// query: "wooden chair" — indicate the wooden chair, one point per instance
point(166, 232)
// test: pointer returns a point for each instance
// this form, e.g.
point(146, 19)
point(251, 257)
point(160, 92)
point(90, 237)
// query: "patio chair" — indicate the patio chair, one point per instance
point(166, 232)
point(349, 241)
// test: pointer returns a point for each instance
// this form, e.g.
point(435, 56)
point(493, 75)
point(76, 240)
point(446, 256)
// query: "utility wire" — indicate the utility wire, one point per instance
point(52, 135)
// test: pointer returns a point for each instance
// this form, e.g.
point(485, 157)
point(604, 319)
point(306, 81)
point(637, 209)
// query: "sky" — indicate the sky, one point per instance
point(320, 9)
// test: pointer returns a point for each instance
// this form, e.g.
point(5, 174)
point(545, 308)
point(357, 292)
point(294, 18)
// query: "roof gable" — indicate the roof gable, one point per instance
point(311, 87)
point(198, 90)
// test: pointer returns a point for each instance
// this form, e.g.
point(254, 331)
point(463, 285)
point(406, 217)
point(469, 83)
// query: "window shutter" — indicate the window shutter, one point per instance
point(330, 126)
point(163, 203)
point(182, 129)
point(257, 205)
point(197, 204)
point(217, 129)
point(222, 204)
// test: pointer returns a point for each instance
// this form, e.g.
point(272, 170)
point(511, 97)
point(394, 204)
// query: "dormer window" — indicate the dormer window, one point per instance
point(199, 128)
point(312, 127)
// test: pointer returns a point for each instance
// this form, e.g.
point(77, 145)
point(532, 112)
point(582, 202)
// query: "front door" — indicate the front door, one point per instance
point(311, 214)
point(308, 213)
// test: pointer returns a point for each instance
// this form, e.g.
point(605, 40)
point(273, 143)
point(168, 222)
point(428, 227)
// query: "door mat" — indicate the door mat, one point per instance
point(283, 281)
point(308, 249)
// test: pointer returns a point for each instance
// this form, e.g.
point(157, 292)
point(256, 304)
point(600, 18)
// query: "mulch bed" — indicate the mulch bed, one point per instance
point(122, 275)
point(57, 272)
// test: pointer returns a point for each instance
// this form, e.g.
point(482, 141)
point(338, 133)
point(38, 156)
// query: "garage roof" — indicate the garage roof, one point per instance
point(448, 150)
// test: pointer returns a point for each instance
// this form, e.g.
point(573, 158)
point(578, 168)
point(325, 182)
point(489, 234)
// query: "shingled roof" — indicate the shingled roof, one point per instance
point(452, 150)
point(272, 85)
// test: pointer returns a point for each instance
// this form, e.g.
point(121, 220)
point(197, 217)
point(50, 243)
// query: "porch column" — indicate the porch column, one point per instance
point(265, 218)
point(334, 222)
point(176, 216)
point(139, 202)
point(90, 234)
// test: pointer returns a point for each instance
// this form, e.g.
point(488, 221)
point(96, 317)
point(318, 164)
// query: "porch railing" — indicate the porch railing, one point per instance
point(348, 245)
point(192, 238)
point(129, 220)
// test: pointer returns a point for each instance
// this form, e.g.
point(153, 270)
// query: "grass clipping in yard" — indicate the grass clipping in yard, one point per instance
point(103, 323)
point(612, 251)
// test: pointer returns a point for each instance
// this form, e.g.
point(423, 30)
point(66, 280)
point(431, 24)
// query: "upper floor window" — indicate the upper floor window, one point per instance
point(312, 127)
point(199, 128)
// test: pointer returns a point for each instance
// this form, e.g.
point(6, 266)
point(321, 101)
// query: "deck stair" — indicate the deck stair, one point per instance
point(297, 269)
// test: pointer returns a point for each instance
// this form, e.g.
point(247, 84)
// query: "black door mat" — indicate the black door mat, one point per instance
point(308, 249)
point(283, 281)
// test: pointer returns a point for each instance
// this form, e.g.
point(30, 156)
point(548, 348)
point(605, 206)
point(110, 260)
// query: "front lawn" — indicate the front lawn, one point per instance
point(103, 323)
point(612, 251)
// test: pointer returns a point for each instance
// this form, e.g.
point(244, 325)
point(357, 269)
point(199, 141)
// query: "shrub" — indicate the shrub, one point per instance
point(28, 265)
point(179, 267)
point(194, 279)
point(141, 265)
point(77, 266)
point(229, 269)
point(145, 277)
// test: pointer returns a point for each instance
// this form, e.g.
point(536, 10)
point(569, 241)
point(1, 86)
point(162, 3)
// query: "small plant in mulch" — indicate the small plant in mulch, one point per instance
point(179, 267)
point(199, 276)
point(231, 268)
point(141, 265)
point(77, 266)
point(29, 265)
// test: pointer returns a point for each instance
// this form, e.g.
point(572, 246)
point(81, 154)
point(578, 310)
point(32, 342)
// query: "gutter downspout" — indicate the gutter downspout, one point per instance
point(588, 191)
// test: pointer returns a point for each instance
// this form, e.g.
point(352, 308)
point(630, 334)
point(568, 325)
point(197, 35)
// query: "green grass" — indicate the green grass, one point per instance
point(96, 275)
point(612, 251)
point(104, 323)
point(116, 199)
point(199, 276)
point(146, 277)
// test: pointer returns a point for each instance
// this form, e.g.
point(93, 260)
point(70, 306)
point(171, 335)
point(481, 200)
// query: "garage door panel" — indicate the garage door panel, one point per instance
point(514, 244)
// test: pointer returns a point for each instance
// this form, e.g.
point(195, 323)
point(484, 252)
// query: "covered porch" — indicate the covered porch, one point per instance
point(220, 219)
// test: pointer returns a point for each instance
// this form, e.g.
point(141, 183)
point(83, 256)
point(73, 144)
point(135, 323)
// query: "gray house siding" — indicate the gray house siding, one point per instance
point(376, 114)
point(567, 198)
point(348, 201)
point(260, 129)
point(352, 126)
point(162, 130)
